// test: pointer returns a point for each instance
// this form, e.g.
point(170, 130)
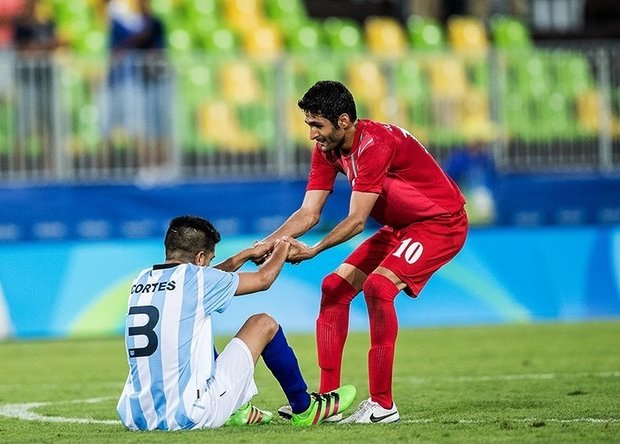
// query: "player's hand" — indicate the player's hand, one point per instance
point(299, 251)
point(261, 251)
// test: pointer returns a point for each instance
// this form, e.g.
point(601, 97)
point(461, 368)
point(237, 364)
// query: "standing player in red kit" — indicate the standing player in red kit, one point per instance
point(397, 182)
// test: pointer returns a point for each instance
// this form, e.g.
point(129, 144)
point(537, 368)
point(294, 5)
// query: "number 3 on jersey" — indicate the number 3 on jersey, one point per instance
point(147, 330)
point(411, 250)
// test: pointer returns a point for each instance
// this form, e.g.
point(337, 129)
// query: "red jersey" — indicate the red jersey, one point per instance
point(387, 160)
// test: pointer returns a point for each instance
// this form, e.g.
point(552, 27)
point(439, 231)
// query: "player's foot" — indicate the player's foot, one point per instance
point(370, 412)
point(249, 414)
point(324, 405)
point(286, 412)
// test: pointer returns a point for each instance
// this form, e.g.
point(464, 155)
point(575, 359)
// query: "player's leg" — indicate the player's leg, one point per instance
point(264, 337)
point(422, 249)
point(233, 384)
point(337, 291)
point(282, 362)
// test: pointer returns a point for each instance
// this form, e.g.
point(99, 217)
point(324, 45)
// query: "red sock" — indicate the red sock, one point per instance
point(332, 326)
point(380, 292)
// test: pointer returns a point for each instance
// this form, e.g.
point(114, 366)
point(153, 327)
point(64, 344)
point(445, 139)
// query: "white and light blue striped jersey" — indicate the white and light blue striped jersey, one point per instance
point(169, 343)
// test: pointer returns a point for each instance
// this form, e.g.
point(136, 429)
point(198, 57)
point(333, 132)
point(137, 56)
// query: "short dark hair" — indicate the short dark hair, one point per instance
point(329, 99)
point(188, 235)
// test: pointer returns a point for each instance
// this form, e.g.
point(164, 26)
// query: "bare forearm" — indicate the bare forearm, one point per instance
point(345, 230)
point(272, 266)
point(296, 225)
point(235, 262)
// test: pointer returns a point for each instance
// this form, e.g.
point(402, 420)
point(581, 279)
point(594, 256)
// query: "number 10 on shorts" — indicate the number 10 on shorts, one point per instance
point(412, 250)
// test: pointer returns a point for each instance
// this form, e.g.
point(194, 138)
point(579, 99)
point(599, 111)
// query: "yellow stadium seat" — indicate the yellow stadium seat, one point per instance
point(467, 34)
point(366, 79)
point(239, 83)
point(242, 15)
point(219, 125)
point(588, 110)
point(264, 40)
point(447, 76)
point(385, 36)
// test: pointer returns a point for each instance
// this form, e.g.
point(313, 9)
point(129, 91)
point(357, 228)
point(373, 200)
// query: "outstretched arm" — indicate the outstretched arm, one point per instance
point(260, 280)
point(359, 210)
point(235, 262)
point(306, 217)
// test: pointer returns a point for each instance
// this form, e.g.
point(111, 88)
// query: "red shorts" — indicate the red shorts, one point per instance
point(415, 252)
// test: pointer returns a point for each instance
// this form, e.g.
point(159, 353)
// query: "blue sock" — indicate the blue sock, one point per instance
point(282, 362)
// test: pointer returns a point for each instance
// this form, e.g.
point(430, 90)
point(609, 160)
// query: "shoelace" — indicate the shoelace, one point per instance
point(362, 409)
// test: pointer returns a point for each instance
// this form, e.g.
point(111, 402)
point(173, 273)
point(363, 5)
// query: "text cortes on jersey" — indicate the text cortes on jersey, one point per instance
point(151, 288)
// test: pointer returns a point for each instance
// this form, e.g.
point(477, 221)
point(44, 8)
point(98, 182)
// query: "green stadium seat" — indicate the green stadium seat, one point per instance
point(532, 74)
point(219, 40)
point(180, 41)
point(572, 73)
point(425, 33)
point(282, 10)
point(256, 119)
point(343, 34)
point(308, 37)
point(509, 33)
point(202, 8)
point(288, 14)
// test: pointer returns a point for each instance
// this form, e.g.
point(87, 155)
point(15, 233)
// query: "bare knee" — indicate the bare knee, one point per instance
point(256, 333)
point(263, 323)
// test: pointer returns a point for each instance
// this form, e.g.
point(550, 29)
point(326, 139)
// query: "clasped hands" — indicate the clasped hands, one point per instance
point(298, 251)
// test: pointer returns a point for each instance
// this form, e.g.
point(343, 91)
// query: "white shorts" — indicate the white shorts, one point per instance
point(231, 386)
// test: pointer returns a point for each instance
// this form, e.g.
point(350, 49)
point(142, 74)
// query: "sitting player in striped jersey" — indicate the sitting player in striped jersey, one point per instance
point(175, 379)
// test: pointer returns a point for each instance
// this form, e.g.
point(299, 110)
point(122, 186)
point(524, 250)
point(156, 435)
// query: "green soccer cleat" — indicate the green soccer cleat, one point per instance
point(324, 405)
point(249, 414)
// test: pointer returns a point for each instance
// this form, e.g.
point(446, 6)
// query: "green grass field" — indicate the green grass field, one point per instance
point(527, 383)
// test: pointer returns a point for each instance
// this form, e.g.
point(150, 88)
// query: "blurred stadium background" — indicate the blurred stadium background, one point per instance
point(86, 196)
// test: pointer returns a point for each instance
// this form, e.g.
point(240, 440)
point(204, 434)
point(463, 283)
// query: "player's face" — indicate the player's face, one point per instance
point(324, 132)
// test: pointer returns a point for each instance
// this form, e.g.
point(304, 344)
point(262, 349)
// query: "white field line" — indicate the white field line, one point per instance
point(24, 411)
point(520, 420)
point(515, 377)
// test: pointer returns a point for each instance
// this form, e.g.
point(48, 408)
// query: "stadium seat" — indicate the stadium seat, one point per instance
point(385, 36)
point(589, 110)
point(448, 85)
point(411, 78)
point(263, 40)
point(281, 10)
point(202, 8)
point(447, 76)
point(532, 77)
point(239, 82)
point(180, 41)
point(343, 34)
point(467, 34)
point(414, 93)
point(366, 79)
point(308, 37)
point(571, 72)
point(243, 15)
point(425, 33)
point(219, 40)
point(219, 126)
point(288, 14)
point(509, 33)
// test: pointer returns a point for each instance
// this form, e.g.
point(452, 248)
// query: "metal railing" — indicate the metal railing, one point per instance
point(71, 118)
